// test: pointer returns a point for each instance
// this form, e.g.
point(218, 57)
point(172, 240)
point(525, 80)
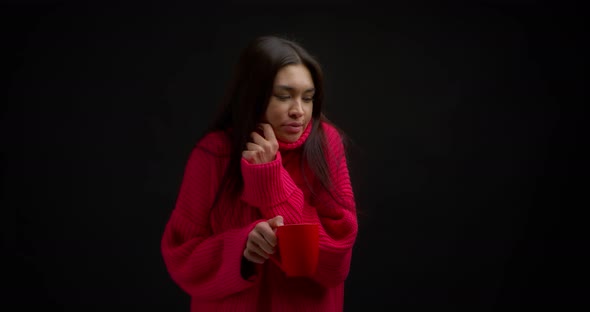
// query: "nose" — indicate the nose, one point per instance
point(296, 109)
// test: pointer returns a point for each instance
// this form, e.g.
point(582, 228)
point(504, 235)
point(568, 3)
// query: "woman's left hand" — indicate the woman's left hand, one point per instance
point(262, 149)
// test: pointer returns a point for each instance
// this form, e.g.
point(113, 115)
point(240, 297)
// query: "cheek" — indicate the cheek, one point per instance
point(309, 110)
point(274, 114)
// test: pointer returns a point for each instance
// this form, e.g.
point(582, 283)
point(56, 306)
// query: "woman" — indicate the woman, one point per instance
point(271, 158)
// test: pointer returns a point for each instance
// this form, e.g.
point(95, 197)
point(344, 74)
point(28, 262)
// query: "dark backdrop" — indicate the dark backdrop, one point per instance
point(465, 121)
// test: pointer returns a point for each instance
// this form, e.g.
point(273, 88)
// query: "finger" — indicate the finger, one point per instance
point(253, 157)
point(269, 133)
point(262, 240)
point(264, 237)
point(276, 222)
point(258, 139)
point(254, 147)
point(253, 257)
point(254, 248)
point(270, 238)
point(249, 155)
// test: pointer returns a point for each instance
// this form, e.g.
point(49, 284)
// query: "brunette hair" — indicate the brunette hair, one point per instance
point(246, 99)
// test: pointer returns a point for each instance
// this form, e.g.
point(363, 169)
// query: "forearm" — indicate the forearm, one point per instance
point(207, 267)
point(270, 188)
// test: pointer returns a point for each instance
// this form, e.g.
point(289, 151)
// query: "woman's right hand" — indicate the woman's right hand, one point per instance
point(262, 149)
point(262, 240)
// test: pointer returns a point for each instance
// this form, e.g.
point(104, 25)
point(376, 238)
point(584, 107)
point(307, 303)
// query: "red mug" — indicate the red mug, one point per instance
point(298, 249)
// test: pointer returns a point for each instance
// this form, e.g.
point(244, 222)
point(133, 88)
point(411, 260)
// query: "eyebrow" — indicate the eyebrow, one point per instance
point(288, 88)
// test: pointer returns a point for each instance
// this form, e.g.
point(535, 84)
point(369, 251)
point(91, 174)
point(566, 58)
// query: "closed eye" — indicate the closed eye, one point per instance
point(282, 97)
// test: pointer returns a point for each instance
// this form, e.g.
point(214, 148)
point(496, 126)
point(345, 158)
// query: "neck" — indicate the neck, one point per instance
point(285, 146)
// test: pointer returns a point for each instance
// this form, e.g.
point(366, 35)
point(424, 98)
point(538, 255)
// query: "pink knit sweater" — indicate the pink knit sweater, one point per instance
point(203, 248)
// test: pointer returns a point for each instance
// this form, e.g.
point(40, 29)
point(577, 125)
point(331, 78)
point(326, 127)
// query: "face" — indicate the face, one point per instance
point(291, 103)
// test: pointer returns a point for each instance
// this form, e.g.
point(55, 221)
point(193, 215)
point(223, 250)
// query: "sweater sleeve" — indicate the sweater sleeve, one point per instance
point(270, 187)
point(336, 212)
point(203, 264)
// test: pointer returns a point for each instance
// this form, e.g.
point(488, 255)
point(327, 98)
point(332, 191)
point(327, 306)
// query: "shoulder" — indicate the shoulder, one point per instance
point(330, 129)
point(335, 142)
point(215, 143)
point(334, 137)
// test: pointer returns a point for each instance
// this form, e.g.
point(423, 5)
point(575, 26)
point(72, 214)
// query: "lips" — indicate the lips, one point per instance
point(294, 124)
point(293, 127)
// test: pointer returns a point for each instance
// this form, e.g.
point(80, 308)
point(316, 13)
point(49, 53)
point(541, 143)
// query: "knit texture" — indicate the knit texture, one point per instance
point(202, 247)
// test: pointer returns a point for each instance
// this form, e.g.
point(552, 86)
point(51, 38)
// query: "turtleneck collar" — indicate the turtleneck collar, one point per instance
point(286, 146)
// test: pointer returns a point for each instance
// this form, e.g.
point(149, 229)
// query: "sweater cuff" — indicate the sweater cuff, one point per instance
point(233, 253)
point(267, 184)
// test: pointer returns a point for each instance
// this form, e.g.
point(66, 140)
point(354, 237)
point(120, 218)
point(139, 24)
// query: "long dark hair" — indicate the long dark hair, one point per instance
point(247, 97)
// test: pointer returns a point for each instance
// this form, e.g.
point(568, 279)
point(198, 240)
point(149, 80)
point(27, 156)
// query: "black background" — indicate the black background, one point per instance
point(465, 120)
